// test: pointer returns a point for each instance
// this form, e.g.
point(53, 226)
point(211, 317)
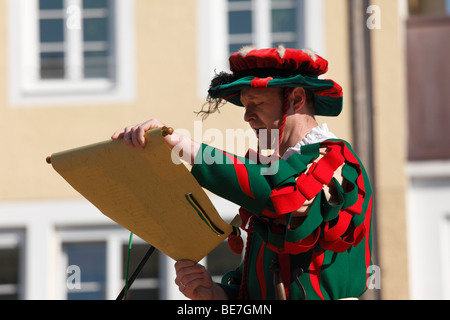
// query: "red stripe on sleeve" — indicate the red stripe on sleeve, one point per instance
point(242, 174)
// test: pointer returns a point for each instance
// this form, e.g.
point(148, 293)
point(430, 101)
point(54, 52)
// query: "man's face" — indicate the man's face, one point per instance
point(263, 110)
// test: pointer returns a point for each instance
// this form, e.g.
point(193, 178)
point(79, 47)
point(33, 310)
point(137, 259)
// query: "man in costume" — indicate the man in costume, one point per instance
point(308, 222)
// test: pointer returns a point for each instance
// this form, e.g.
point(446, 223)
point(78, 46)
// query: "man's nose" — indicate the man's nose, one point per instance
point(249, 114)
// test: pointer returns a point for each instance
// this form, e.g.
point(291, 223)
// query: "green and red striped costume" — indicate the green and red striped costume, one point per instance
point(332, 246)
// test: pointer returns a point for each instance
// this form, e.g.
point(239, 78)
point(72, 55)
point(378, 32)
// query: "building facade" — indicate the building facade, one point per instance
point(74, 71)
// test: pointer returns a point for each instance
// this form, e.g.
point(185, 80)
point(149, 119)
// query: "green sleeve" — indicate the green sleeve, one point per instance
point(234, 178)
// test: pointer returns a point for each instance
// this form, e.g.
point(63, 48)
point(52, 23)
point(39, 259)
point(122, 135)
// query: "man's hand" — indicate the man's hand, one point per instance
point(195, 282)
point(134, 136)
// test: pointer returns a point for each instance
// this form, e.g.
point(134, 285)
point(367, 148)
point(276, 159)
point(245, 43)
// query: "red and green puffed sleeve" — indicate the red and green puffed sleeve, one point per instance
point(234, 178)
point(332, 226)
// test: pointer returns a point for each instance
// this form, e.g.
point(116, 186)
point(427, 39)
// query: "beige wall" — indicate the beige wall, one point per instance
point(391, 146)
point(337, 54)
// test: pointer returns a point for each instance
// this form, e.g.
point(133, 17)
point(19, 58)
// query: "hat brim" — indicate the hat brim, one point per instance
point(328, 98)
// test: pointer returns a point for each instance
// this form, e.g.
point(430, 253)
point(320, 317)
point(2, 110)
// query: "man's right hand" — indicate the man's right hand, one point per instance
point(134, 136)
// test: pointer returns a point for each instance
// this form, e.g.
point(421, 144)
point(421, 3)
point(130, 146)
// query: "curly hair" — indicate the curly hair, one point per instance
point(214, 104)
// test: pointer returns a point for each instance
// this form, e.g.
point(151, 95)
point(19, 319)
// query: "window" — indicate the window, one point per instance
point(75, 40)
point(78, 49)
point(225, 26)
point(428, 97)
point(146, 285)
point(94, 260)
point(11, 266)
point(265, 23)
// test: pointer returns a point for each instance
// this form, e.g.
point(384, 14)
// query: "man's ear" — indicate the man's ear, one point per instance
point(299, 99)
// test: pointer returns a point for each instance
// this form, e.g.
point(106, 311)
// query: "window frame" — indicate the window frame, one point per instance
point(26, 87)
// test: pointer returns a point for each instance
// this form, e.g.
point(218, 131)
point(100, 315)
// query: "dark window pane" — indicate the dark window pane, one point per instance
point(240, 22)
point(50, 4)
point(97, 64)
point(74, 295)
point(9, 274)
point(138, 251)
point(284, 20)
point(222, 259)
point(52, 65)
point(143, 294)
point(51, 30)
point(91, 4)
point(91, 260)
point(145, 286)
point(95, 29)
point(12, 296)
point(9, 266)
point(90, 257)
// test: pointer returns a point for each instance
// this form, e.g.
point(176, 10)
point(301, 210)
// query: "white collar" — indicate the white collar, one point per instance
point(317, 134)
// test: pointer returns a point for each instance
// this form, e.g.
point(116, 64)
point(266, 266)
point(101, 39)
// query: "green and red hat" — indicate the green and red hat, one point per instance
point(279, 67)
